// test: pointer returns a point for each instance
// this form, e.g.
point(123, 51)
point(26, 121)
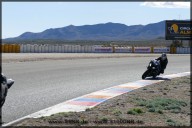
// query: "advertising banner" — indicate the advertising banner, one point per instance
point(103, 49)
point(161, 50)
point(123, 49)
point(142, 49)
point(178, 30)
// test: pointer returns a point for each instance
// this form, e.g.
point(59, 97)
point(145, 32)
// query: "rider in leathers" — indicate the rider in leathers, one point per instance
point(163, 62)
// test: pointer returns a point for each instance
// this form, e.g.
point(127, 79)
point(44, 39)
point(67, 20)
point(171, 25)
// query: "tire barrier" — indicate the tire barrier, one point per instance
point(10, 48)
point(46, 48)
point(173, 50)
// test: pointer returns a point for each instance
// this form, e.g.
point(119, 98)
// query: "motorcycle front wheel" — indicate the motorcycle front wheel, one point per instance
point(145, 74)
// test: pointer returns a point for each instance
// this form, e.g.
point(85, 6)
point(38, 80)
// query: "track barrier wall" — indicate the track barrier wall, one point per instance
point(46, 48)
point(142, 49)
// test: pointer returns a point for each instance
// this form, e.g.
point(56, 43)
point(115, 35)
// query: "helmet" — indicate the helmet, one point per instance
point(163, 56)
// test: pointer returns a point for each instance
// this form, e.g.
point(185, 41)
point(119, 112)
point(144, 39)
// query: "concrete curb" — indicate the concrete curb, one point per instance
point(93, 99)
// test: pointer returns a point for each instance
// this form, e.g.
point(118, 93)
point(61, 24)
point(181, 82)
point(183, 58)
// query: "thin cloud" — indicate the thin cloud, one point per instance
point(167, 4)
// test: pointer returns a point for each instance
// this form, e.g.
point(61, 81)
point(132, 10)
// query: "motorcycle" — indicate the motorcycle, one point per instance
point(5, 85)
point(153, 69)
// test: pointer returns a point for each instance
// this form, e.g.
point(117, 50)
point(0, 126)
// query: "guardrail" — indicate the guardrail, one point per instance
point(35, 48)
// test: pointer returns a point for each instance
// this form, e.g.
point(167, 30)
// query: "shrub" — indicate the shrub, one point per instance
point(88, 109)
point(160, 111)
point(104, 119)
point(83, 121)
point(170, 122)
point(135, 111)
point(151, 109)
point(131, 112)
point(150, 105)
point(138, 110)
point(175, 111)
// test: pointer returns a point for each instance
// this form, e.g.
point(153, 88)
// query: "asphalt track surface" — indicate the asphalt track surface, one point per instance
point(41, 84)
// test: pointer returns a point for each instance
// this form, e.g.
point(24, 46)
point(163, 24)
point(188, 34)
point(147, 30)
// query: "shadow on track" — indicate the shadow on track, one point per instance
point(157, 78)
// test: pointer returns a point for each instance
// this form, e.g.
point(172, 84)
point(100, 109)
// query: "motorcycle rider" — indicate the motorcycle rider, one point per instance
point(163, 62)
point(5, 85)
point(3, 89)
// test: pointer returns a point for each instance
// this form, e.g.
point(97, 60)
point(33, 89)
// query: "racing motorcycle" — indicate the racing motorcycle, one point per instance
point(5, 85)
point(153, 69)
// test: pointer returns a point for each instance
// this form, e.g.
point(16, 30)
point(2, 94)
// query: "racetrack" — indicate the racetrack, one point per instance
point(41, 84)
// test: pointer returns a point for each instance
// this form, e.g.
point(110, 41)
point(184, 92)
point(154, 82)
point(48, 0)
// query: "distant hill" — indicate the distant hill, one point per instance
point(105, 32)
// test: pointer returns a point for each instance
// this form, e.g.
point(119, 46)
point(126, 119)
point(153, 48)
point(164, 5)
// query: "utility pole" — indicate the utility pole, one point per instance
point(181, 40)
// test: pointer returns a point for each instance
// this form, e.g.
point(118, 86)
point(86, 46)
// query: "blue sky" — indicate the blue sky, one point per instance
point(20, 17)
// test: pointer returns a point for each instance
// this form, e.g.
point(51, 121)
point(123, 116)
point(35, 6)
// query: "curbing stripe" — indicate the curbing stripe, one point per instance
point(104, 93)
point(83, 103)
point(97, 96)
point(90, 100)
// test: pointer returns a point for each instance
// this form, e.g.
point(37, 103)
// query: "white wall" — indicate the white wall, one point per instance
point(183, 50)
point(123, 49)
point(35, 48)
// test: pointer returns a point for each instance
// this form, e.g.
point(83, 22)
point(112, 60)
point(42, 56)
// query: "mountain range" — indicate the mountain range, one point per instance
point(105, 32)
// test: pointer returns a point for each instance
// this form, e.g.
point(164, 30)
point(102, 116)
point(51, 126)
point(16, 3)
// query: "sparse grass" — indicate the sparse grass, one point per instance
point(131, 112)
point(65, 114)
point(160, 111)
point(83, 121)
point(166, 88)
point(141, 102)
point(117, 112)
point(175, 82)
point(186, 80)
point(160, 104)
point(151, 109)
point(175, 111)
point(88, 109)
point(170, 122)
point(135, 111)
point(104, 119)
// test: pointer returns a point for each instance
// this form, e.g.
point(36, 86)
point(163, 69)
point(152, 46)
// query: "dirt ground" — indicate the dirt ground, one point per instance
point(163, 104)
